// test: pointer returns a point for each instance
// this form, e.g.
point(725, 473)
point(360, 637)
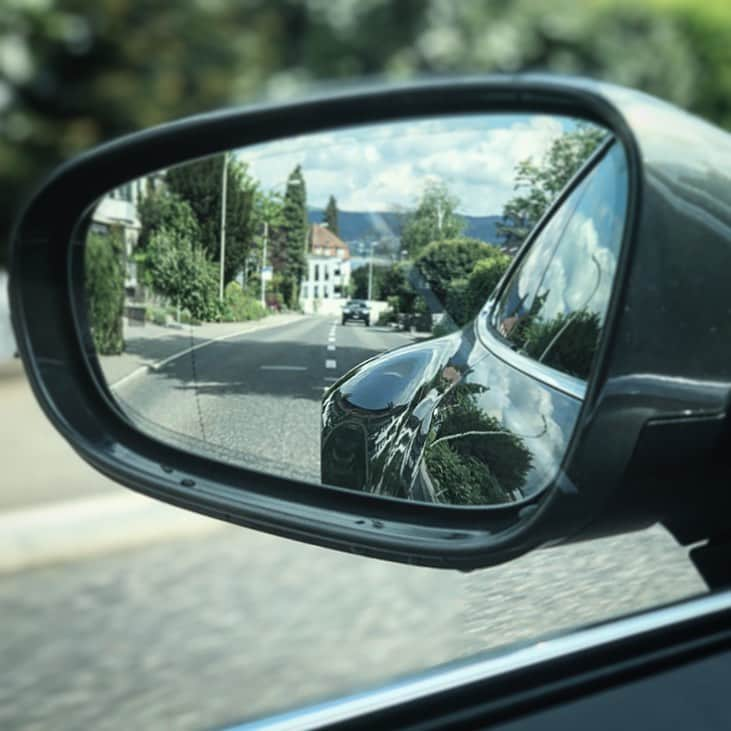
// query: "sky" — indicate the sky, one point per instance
point(385, 166)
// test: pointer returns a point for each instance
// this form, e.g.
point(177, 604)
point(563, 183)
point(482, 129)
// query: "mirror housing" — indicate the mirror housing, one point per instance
point(651, 441)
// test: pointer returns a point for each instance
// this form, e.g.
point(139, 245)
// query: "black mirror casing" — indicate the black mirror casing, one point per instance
point(649, 443)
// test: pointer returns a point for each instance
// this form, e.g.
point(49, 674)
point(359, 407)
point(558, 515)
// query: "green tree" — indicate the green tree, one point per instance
point(200, 185)
point(482, 281)
point(434, 219)
point(443, 261)
point(471, 457)
point(160, 209)
point(104, 285)
point(180, 270)
point(289, 247)
point(330, 216)
point(397, 289)
point(79, 72)
point(538, 183)
point(359, 282)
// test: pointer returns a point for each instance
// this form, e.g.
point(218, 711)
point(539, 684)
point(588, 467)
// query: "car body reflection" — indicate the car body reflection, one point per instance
point(469, 430)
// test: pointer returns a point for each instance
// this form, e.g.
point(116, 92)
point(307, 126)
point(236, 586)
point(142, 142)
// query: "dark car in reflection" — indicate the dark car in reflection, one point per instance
point(483, 416)
point(357, 310)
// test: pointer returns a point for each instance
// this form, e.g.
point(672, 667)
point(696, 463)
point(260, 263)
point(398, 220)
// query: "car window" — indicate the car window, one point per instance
point(554, 305)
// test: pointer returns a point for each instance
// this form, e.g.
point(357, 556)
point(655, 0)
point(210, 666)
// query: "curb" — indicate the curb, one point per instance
point(76, 529)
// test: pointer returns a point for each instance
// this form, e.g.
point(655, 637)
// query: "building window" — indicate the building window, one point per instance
point(317, 274)
point(324, 292)
point(315, 292)
point(304, 291)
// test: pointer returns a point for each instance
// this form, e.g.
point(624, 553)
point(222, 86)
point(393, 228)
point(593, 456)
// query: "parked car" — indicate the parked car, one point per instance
point(358, 311)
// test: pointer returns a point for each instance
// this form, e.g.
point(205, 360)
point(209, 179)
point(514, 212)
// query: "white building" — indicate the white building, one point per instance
point(119, 209)
point(327, 278)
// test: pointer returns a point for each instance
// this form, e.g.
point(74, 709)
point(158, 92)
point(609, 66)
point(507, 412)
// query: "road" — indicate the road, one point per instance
point(195, 625)
point(253, 399)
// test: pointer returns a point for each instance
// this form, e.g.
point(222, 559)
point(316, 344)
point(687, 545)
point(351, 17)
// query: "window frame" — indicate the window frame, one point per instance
point(491, 338)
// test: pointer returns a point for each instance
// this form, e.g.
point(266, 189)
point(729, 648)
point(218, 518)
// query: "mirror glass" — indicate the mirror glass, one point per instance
point(324, 307)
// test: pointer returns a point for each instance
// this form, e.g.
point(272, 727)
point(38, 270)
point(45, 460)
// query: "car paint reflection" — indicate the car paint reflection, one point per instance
point(473, 431)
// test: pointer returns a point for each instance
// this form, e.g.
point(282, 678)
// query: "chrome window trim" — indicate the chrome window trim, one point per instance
point(470, 671)
point(571, 386)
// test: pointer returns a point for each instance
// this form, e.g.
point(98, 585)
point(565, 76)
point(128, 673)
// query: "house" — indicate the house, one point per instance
point(327, 274)
point(119, 209)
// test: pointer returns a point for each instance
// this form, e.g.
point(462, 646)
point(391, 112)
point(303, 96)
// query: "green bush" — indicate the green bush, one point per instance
point(443, 261)
point(238, 306)
point(457, 304)
point(386, 317)
point(104, 273)
point(182, 273)
point(483, 280)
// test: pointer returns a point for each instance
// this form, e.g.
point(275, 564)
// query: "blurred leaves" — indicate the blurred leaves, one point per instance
point(76, 72)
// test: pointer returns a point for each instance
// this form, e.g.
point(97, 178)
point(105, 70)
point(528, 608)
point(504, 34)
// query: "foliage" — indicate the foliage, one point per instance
point(104, 283)
point(482, 281)
point(471, 458)
point(200, 184)
point(238, 306)
point(289, 239)
point(443, 261)
point(83, 71)
point(330, 216)
point(538, 183)
point(396, 288)
point(456, 301)
point(565, 342)
point(359, 281)
point(434, 219)
point(162, 208)
point(181, 271)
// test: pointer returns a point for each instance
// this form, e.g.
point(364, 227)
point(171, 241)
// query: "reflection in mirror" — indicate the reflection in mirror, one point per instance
point(306, 307)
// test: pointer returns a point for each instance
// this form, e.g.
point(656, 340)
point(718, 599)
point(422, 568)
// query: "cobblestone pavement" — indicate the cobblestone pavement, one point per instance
point(205, 632)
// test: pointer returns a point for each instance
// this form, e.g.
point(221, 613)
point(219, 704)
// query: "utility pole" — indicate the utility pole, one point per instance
point(224, 180)
point(263, 264)
point(370, 273)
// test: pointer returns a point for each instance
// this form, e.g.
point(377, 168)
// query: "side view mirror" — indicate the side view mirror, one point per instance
point(442, 324)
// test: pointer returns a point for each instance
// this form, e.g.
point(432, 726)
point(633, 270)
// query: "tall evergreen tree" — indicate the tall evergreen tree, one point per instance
point(295, 231)
point(330, 216)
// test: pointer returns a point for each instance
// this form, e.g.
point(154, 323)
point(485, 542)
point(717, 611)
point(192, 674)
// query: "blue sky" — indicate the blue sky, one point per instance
point(385, 166)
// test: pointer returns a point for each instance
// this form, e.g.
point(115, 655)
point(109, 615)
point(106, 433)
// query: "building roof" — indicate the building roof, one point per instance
point(324, 242)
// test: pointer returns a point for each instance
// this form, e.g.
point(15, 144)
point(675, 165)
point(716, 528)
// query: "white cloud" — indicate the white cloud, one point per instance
point(385, 166)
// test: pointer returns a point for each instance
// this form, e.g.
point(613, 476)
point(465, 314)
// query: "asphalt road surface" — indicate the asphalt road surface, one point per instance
point(201, 633)
point(198, 628)
point(253, 399)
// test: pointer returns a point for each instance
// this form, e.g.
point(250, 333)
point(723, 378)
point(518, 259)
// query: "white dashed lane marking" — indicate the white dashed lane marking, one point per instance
point(331, 363)
point(282, 368)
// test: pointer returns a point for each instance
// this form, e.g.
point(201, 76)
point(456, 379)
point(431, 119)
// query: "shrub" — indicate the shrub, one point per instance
point(483, 280)
point(238, 306)
point(456, 304)
point(104, 274)
point(443, 261)
point(182, 273)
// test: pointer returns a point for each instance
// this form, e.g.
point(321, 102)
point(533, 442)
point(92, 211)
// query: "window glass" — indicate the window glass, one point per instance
point(554, 306)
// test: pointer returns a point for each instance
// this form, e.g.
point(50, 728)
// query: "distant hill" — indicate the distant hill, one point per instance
point(361, 226)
